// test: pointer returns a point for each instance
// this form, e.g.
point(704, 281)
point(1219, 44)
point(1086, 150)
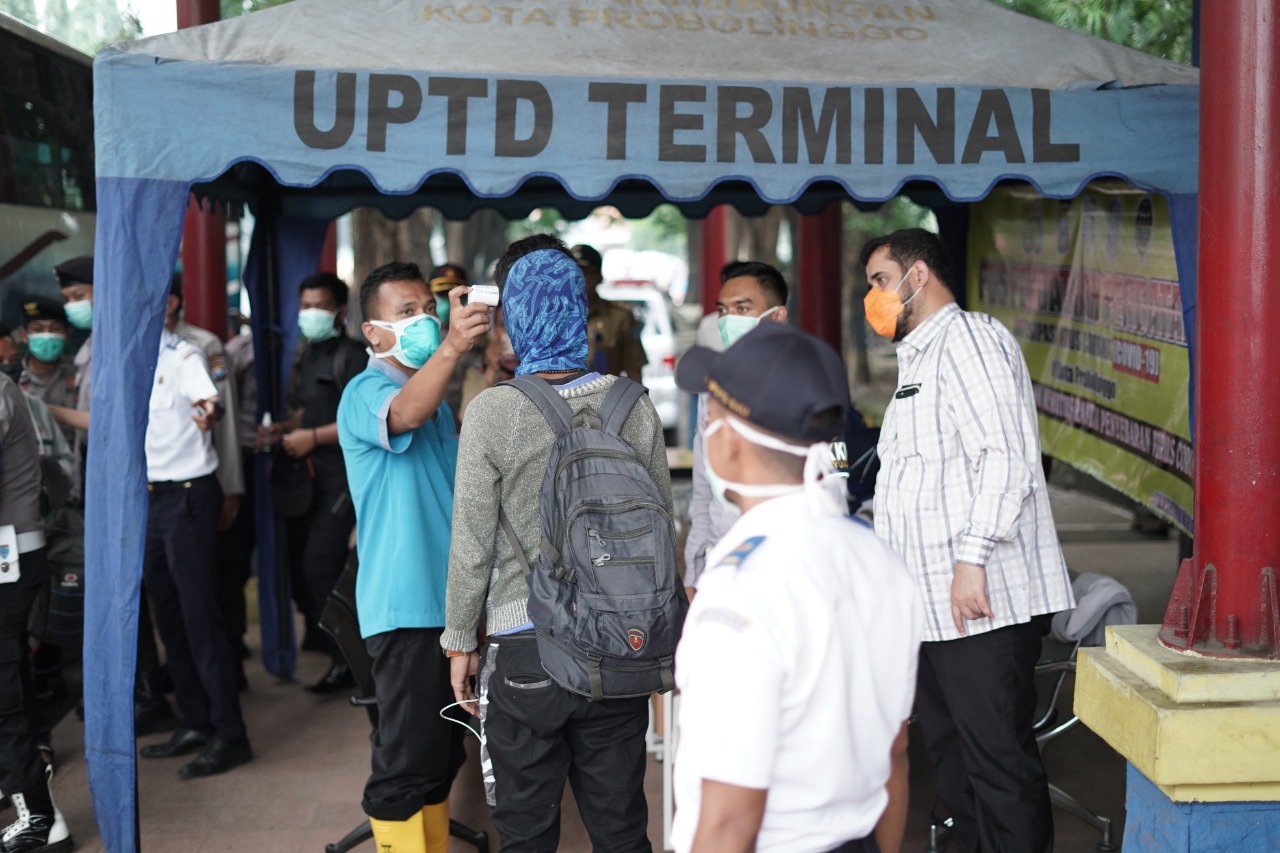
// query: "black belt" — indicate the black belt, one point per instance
point(160, 487)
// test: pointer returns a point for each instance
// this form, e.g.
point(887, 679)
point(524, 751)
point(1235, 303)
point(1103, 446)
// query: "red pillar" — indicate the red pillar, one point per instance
point(1225, 600)
point(329, 251)
point(714, 255)
point(204, 236)
point(818, 274)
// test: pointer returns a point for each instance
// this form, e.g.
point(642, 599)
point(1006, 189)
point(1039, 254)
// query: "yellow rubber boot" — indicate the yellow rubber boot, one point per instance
point(435, 827)
point(398, 836)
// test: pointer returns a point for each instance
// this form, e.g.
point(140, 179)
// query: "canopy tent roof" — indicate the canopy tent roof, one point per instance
point(397, 103)
point(311, 108)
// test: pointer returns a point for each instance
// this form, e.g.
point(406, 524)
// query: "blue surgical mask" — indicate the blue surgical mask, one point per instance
point(733, 326)
point(417, 339)
point(442, 308)
point(317, 324)
point(80, 314)
point(46, 346)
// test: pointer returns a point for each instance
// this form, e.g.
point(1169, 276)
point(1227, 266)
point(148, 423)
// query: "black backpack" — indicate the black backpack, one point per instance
point(605, 594)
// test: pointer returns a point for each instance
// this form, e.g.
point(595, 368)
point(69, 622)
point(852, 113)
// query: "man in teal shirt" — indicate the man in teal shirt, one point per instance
point(400, 444)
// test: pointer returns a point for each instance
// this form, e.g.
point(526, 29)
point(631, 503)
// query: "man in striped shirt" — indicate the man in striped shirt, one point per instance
point(961, 496)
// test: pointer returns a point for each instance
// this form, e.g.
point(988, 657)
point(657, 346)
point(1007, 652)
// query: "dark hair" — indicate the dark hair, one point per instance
point(526, 246)
point(771, 281)
point(326, 281)
point(908, 246)
point(175, 285)
point(394, 271)
point(5, 331)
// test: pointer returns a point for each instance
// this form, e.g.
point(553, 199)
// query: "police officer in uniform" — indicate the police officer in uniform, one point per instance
point(23, 571)
point(327, 360)
point(47, 372)
point(180, 566)
point(797, 663)
point(613, 335)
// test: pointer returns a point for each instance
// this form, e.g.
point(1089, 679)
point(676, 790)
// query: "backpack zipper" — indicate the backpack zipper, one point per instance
point(601, 535)
point(586, 454)
point(599, 562)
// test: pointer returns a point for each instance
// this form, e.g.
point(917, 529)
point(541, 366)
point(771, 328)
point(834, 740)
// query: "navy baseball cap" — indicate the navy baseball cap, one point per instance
point(776, 377)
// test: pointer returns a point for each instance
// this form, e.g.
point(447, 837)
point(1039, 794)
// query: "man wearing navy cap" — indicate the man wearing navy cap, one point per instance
point(804, 623)
point(46, 372)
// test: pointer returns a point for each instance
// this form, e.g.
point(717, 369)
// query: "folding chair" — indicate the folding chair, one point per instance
point(339, 620)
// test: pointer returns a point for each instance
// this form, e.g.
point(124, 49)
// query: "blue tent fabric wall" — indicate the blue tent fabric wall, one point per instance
point(132, 271)
point(296, 251)
point(1184, 212)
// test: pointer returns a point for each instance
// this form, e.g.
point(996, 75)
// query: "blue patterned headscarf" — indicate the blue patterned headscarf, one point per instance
point(544, 307)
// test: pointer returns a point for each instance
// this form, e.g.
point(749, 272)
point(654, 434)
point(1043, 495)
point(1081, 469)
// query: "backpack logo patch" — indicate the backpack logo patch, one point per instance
point(636, 638)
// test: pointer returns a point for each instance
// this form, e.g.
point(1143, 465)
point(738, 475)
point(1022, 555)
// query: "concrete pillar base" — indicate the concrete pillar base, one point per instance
point(1202, 737)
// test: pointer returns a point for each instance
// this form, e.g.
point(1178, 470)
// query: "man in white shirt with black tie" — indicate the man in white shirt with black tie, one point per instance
point(961, 496)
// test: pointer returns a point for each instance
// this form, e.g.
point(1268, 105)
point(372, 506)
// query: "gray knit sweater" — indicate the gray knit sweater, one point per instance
point(502, 458)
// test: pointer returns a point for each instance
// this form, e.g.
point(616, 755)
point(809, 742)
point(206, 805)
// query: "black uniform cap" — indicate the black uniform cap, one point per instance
point(777, 378)
point(587, 257)
point(36, 308)
point(75, 271)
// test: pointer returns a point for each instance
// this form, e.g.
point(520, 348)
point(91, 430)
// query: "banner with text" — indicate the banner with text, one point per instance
point(1090, 288)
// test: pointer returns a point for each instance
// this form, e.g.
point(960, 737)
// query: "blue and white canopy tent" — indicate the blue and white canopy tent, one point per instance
point(307, 110)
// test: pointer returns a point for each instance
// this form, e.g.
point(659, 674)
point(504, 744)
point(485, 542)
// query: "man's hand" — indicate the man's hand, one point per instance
point(230, 510)
point(461, 670)
point(268, 436)
point(690, 592)
point(209, 414)
point(299, 443)
point(466, 324)
point(969, 595)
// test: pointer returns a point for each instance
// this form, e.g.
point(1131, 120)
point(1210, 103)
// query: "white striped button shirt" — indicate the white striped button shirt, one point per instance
point(960, 475)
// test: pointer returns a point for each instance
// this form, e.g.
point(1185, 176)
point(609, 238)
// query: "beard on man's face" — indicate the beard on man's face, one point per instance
point(903, 328)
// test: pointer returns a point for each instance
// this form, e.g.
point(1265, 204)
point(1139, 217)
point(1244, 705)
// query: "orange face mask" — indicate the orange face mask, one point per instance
point(883, 308)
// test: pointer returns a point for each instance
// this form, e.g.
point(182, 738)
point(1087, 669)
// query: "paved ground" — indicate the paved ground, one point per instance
point(303, 789)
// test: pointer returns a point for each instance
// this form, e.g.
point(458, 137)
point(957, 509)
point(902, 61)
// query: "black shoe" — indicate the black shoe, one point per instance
point(152, 714)
point(35, 832)
point(218, 757)
point(338, 677)
point(184, 741)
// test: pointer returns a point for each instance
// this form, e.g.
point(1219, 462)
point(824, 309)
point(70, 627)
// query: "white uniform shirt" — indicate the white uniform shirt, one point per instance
point(797, 669)
point(960, 476)
point(176, 448)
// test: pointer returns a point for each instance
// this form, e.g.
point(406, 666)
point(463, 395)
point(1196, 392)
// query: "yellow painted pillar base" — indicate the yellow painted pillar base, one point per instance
point(1202, 730)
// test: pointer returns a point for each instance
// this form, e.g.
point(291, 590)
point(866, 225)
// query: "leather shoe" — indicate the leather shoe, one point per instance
point(218, 757)
point(182, 742)
point(338, 677)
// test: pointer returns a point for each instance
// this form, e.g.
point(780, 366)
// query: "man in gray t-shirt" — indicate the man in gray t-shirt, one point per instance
point(23, 570)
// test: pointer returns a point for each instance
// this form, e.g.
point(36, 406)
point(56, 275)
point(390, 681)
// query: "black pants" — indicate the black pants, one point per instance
point(416, 754)
point(318, 549)
point(235, 556)
point(21, 769)
point(181, 571)
point(537, 735)
point(975, 700)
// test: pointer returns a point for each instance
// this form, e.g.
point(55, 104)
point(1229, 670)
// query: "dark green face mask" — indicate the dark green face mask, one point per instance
point(13, 371)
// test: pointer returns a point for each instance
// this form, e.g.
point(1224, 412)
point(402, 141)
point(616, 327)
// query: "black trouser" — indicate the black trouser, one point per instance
point(416, 754)
point(180, 567)
point(235, 556)
point(537, 735)
point(862, 845)
point(21, 769)
point(976, 700)
point(318, 547)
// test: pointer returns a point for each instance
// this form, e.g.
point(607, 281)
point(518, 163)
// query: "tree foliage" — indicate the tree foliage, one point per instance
point(1159, 27)
point(86, 25)
point(232, 8)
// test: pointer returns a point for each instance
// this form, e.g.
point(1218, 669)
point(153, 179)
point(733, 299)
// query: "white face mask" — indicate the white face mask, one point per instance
point(827, 491)
point(733, 326)
point(417, 339)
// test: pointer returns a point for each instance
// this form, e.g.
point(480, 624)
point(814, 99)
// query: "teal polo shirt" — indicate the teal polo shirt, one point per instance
point(402, 488)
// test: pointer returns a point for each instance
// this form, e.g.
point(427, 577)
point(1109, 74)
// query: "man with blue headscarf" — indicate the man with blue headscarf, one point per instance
point(536, 734)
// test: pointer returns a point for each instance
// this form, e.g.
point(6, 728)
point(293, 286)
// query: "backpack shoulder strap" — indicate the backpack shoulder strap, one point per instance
point(553, 407)
point(619, 402)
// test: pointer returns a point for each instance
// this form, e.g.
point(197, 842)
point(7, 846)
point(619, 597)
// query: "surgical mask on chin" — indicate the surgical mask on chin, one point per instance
point(317, 324)
point(46, 346)
point(80, 314)
point(417, 339)
point(826, 494)
point(733, 327)
point(883, 308)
